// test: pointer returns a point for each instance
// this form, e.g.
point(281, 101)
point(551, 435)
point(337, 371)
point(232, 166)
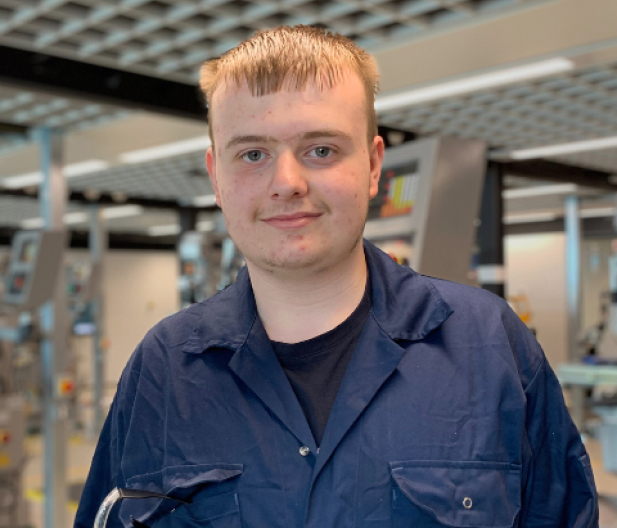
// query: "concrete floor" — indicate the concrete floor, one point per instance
point(79, 458)
point(606, 483)
point(80, 455)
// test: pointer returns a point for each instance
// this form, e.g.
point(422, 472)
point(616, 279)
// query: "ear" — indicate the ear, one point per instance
point(376, 161)
point(211, 165)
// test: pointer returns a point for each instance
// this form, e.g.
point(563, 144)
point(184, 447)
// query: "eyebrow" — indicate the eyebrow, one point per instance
point(330, 133)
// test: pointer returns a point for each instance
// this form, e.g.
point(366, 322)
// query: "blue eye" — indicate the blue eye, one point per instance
point(322, 152)
point(252, 155)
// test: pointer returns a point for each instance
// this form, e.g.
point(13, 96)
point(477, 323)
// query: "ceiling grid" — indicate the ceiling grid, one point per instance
point(33, 108)
point(180, 178)
point(565, 108)
point(170, 39)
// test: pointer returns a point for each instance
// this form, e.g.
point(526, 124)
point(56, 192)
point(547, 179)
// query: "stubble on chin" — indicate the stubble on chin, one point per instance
point(317, 263)
point(283, 261)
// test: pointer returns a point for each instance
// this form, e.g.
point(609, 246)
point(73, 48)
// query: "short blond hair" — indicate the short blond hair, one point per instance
point(289, 57)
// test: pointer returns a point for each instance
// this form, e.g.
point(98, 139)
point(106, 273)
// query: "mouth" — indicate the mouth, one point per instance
point(291, 221)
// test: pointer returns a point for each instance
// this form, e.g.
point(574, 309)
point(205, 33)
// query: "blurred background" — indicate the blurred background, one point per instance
point(500, 121)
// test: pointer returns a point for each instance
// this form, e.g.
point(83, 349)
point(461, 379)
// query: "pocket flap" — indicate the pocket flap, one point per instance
point(181, 482)
point(460, 494)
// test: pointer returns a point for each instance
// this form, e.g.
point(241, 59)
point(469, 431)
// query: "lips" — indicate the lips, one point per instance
point(291, 221)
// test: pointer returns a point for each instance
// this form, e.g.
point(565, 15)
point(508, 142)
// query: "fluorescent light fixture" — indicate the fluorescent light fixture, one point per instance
point(564, 148)
point(474, 84)
point(598, 212)
point(205, 225)
point(205, 200)
point(32, 223)
point(167, 150)
point(122, 211)
point(23, 180)
point(541, 190)
point(69, 171)
point(164, 230)
point(85, 167)
point(77, 217)
point(529, 218)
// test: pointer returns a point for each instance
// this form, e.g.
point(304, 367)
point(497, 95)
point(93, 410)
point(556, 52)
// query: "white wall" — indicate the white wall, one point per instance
point(140, 290)
point(535, 266)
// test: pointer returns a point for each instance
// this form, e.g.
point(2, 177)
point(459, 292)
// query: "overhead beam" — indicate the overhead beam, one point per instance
point(46, 73)
point(559, 172)
point(591, 227)
point(11, 129)
point(79, 240)
point(395, 136)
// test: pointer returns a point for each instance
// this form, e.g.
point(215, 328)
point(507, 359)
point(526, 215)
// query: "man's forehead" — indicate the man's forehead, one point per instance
point(288, 114)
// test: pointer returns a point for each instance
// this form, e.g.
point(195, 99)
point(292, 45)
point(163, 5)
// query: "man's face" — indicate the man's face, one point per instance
point(293, 173)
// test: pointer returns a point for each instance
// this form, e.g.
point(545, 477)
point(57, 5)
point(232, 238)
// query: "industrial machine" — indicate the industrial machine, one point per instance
point(209, 262)
point(33, 268)
point(29, 281)
point(593, 381)
point(428, 201)
point(196, 281)
point(83, 283)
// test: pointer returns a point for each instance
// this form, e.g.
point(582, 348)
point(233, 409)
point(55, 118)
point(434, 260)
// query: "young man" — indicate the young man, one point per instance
point(330, 387)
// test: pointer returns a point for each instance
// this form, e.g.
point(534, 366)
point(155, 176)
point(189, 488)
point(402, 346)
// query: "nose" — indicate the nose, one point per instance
point(289, 179)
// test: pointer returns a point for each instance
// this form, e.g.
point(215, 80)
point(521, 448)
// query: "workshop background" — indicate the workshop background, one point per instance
point(500, 121)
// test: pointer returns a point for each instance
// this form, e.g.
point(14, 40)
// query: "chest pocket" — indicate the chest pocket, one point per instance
point(210, 488)
point(456, 494)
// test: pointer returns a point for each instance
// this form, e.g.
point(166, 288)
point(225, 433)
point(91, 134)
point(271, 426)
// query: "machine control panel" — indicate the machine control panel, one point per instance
point(427, 201)
point(65, 386)
point(33, 268)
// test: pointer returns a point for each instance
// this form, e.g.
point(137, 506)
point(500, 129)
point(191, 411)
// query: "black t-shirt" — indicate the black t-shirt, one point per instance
point(315, 368)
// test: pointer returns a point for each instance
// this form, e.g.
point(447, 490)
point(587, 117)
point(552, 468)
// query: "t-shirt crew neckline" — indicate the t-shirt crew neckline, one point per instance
point(316, 367)
point(322, 343)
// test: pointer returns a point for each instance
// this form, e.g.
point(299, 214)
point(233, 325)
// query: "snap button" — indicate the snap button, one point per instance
point(304, 451)
point(467, 503)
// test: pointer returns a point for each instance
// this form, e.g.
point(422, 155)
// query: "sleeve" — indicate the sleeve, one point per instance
point(106, 471)
point(559, 489)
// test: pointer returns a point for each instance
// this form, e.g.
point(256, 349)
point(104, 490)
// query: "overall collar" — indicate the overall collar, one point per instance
point(406, 306)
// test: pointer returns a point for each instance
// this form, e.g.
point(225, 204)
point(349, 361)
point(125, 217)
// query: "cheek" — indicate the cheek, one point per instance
point(348, 195)
point(348, 206)
point(238, 198)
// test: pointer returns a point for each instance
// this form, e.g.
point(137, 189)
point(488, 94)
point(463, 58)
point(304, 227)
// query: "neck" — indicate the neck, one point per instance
point(297, 307)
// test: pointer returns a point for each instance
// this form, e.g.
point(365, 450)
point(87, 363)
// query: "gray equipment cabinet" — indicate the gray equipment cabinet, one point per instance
point(33, 268)
point(429, 200)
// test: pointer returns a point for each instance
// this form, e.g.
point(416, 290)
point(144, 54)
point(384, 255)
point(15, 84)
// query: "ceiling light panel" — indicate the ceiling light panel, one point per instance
point(180, 178)
point(475, 83)
point(32, 108)
point(564, 108)
point(169, 39)
point(14, 210)
point(23, 213)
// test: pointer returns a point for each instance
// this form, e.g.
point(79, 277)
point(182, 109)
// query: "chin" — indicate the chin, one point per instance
point(291, 261)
